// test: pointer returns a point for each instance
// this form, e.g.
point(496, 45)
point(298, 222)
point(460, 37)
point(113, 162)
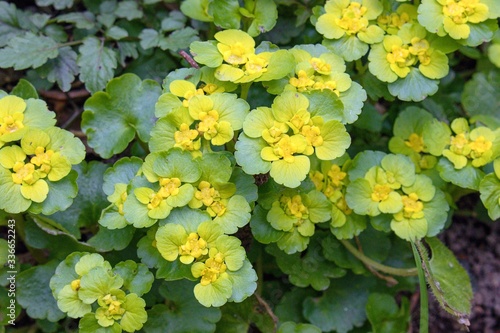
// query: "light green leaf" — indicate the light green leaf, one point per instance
point(28, 50)
point(414, 87)
point(34, 294)
point(451, 279)
point(225, 13)
point(244, 282)
point(467, 177)
point(97, 63)
point(265, 15)
point(137, 278)
point(291, 327)
point(248, 155)
point(489, 189)
point(179, 39)
point(177, 316)
point(206, 53)
point(262, 229)
point(122, 172)
point(349, 47)
point(177, 164)
point(96, 283)
point(126, 109)
point(24, 89)
point(89, 324)
point(60, 197)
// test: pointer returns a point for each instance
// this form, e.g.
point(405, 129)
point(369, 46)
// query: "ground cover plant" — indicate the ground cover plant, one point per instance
point(242, 166)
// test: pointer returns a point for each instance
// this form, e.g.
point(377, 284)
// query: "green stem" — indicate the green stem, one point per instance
point(424, 299)
point(376, 265)
point(245, 87)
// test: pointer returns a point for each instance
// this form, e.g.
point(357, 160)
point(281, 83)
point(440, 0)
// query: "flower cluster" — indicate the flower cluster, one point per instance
point(35, 157)
point(86, 286)
point(216, 259)
point(235, 59)
point(280, 139)
point(390, 186)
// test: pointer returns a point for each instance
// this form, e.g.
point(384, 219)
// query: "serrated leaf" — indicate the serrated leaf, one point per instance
point(81, 20)
point(341, 307)
point(452, 280)
point(126, 109)
point(175, 21)
point(34, 294)
point(179, 39)
point(116, 33)
point(149, 38)
point(10, 25)
point(28, 50)
point(480, 95)
point(61, 69)
point(489, 189)
point(97, 63)
point(129, 10)
point(58, 4)
point(183, 313)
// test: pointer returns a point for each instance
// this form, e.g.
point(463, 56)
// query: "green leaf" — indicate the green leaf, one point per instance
point(90, 201)
point(414, 87)
point(137, 278)
point(58, 4)
point(265, 15)
point(308, 268)
point(60, 197)
point(34, 294)
point(384, 314)
point(238, 317)
point(81, 20)
point(97, 63)
point(24, 89)
point(489, 189)
point(62, 69)
point(182, 313)
point(244, 282)
point(262, 229)
point(122, 172)
point(290, 306)
point(108, 240)
point(126, 109)
point(453, 287)
point(291, 327)
point(179, 39)
point(11, 22)
point(28, 50)
point(349, 47)
point(226, 13)
point(129, 10)
point(479, 96)
point(467, 177)
point(341, 307)
point(175, 21)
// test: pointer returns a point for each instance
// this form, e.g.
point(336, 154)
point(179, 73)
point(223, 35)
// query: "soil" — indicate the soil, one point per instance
point(477, 247)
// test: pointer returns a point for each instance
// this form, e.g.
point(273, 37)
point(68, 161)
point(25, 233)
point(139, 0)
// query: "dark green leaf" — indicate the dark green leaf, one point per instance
point(179, 39)
point(58, 4)
point(384, 314)
point(34, 294)
point(137, 278)
point(10, 25)
point(226, 13)
point(107, 240)
point(129, 10)
point(81, 20)
point(480, 95)
point(182, 313)
point(237, 317)
point(61, 69)
point(125, 110)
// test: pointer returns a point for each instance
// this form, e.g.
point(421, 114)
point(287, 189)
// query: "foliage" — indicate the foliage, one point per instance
point(260, 164)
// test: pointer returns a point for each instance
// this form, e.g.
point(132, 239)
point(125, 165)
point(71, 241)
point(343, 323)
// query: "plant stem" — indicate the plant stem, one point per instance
point(424, 299)
point(245, 87)
point(376, 265)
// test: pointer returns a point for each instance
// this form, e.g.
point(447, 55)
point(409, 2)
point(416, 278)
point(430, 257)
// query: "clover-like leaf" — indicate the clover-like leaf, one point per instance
point(126, 109)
